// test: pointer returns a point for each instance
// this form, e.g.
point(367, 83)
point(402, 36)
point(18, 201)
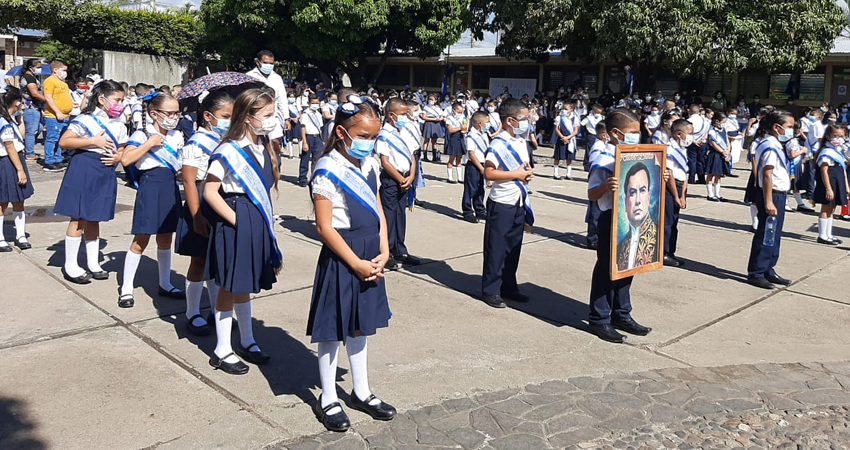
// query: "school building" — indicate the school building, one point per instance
point(473, 64)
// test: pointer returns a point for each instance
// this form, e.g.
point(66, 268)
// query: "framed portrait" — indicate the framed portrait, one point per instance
point(637, 225)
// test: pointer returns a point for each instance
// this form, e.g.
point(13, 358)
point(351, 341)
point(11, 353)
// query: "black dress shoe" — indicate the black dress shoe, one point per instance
point(630, 326)
point(753, 230)
point(494, 301)
point(392, 264)
point(381, 411)
point(82, 279)
point(333, 422)
point(776, 279)
point(173, 293)
point(203, 330)
point(733, 175)
point(517, 297)
point(470, 219)
point(408, 260)
point(833, 239)
point(6, 248)
point(100, 275)
point(482, 217)
point(760, 283)
point(826, 241)
point(253, 357)
point(607, 333)
point(237, 368)
point(670, 261)
point(126, 301)
point(23, 245)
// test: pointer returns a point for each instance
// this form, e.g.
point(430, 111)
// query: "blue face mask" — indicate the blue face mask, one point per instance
point(222, 127)
point(400, 122)
point(631, 138)
point(787, 135)
point(18, 113)
point(521, 129)
point(359, 148)
point(333, 103)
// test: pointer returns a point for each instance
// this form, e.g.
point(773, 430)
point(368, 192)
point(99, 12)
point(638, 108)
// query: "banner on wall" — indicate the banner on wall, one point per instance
point(517, 86)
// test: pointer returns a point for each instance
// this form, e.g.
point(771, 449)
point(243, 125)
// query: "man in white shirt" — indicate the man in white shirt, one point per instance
point(265, 72)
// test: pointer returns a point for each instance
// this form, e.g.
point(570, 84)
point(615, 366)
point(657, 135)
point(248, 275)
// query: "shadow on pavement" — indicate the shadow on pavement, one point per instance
point(17, 430)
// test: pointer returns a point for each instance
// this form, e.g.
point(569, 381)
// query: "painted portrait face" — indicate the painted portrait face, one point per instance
point(637, 198)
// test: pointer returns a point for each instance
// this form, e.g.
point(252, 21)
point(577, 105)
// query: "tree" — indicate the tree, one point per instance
point(691, 37)
point(331, 33)
point(51, 50)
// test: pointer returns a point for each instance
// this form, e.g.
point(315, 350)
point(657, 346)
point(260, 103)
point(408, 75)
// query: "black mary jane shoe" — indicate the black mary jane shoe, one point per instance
point(333, 422)
point(82, 279)
point(203, 330)
point(253, 357)
point(237, 368)
point(172, 293)
point(630, 326)
point(826, 241)
point(6, 248)
point(126, 301)
point(381, 411)
point(100, 275)
point(23, 244)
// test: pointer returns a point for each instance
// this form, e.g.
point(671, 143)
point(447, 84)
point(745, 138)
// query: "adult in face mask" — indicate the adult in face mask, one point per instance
point(264, 71)
point(59, 106)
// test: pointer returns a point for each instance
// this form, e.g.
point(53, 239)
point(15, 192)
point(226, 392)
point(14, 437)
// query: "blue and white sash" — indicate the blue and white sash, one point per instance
point(94, 126)
point(763, 150)
point(207, 142)
point(494, 124)
point(166, 155)
point(350, 180)
point(660, 137)
point(510, 160)
point(832, 153)
point(678, 156)
point(412, 129)
point(699, 134)
point(396, 143)
point(604, 159)
point(479, 142)
point(315, 121)
point(431, 112)
point(17, 132)
point(246, 172)
point(718, 138)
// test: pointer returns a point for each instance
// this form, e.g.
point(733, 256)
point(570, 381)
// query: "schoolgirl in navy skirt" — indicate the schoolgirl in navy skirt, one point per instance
point(89, 188)
point(434, 128)
point(154, 150)
point(193, 229)
point(454, 142)
point(718, 157)
point(15, 183)
point(831, 188)
point(349, 295)
point(243, 257)
point(566, 130)
point(293, 135)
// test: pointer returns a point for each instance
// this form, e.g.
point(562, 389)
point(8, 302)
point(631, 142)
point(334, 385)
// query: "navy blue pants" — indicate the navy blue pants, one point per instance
point(592, 220)
point(590, 140)
point(473, 192)
point(763, 259)
point(812, 174)
point(696, 163)
point(394, 202)
point(608, 299)
point(315, 147)
point(671, 221)
point(502, 246)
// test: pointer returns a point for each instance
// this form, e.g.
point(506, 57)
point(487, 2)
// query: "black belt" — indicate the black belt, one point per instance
point(679, 183)
point(314, 135)
point(20, 152)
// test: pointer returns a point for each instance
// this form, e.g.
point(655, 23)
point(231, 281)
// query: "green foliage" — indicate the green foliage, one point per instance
point(691, 37)
point(51, 49)
point(330, 33)
point(88, 25)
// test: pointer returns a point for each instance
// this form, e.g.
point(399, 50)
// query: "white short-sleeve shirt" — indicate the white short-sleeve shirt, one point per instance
point(322, 185)
point(195, 156)
point(115, 126)
point(11, 133)
point(507, 192)
point(401, 164)
point(174, 139)
point(312, 122)
point(228, 181)
point(599, 175)
point(477, 143)
point(780, 177)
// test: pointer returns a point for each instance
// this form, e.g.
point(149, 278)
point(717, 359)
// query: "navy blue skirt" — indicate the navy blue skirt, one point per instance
point(836, 182)
point(294, 132)
point(454, 144)
point(715, 164)
point(433, 130)
point(342, 304)
point(10, 190)
point(157, 206)
point(89, 189)
point(752, 190)
point(561, 153)
point(187, 242)
point(239, 258)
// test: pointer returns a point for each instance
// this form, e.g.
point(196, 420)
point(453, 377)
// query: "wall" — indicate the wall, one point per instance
point(138, 68)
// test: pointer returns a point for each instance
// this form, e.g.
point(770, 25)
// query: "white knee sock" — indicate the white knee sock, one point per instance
point(246, 326)
point(569, 170)
point(72, 248)
point(754, 215)
point(327, 357)
point(556, 170)
point(20, 225)
point(709, 190)
point(717, 190)
point(459, 173)
point(3, 236)
point(223, 327)
point(212, 291)
point(93, 255)
point(194, 289)
point(163, 260)
point(823, 228)
point(131, 265)
point(451, 174)
point(798, 198)
point(357, 357)
point(829, 227)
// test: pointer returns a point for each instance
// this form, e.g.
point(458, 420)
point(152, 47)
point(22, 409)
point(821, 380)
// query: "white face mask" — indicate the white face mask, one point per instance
point(314, 106)
point(62, 74)
point(689, 139)
point(167, 124)
point(266, 126)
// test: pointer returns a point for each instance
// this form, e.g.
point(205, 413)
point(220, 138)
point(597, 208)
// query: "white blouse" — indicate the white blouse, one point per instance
point(322, 185)
point(174, 139)
point(228, 181)
point(115, 126)
point(195, 156)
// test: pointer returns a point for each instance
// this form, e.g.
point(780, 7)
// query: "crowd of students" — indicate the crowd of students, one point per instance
point(361, 158)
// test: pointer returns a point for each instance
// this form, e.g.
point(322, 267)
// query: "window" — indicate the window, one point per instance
point(808, 86)
point(571, 77)
point(752, 82)
point(428, 76)
point(392, 75)
point(714, 83)
point(481, 74)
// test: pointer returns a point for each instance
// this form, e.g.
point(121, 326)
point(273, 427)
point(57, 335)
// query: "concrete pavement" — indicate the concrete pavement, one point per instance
point(82, 373)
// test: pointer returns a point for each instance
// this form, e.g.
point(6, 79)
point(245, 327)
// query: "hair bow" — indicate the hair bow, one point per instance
point(150, 96)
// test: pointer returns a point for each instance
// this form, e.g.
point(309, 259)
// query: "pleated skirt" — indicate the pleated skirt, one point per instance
point(157, 207)
point(10, 190)
point(837, 182)
point(89, 189)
